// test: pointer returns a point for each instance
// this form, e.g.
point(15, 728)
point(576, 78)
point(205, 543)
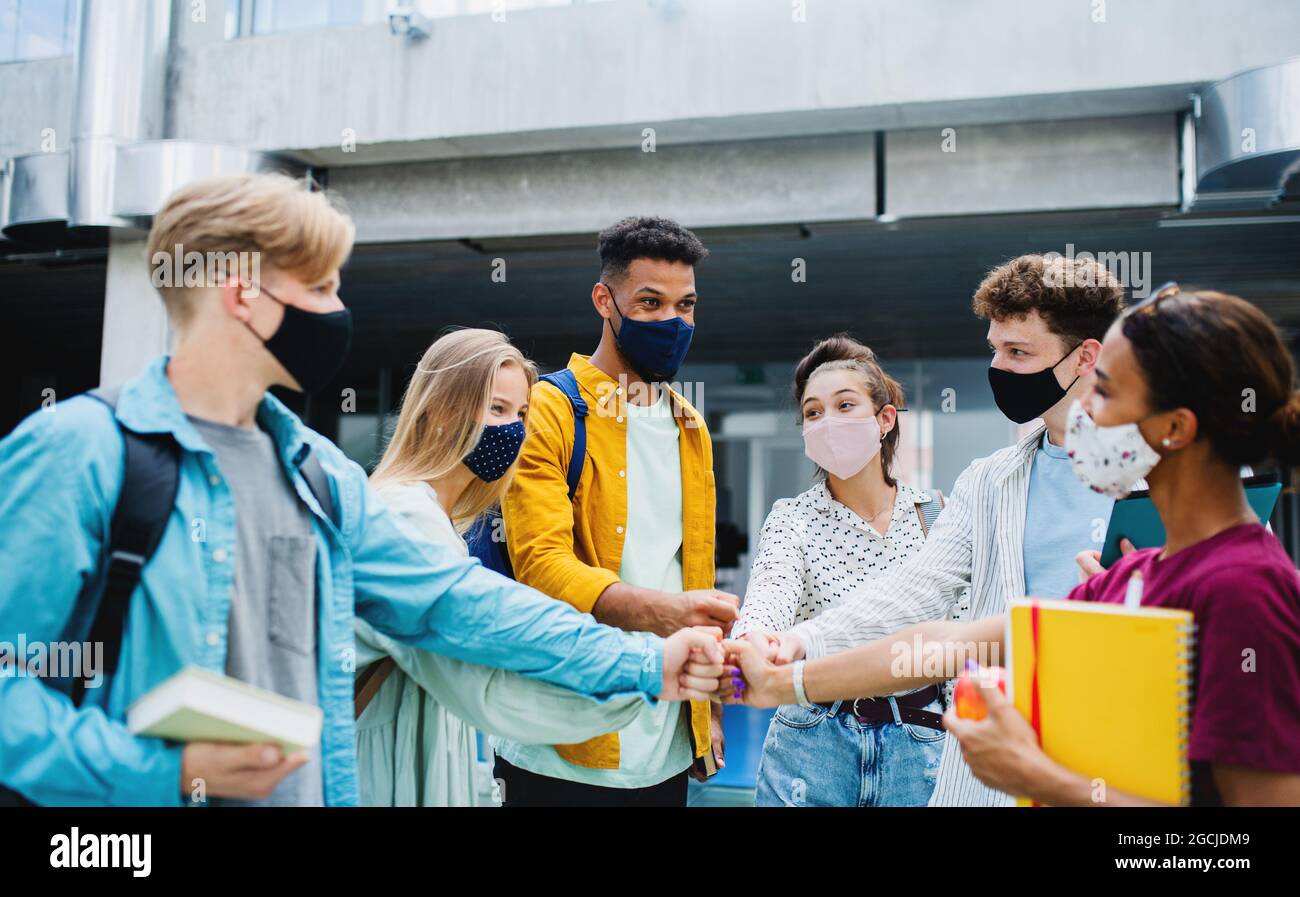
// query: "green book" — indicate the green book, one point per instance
point(199, 705)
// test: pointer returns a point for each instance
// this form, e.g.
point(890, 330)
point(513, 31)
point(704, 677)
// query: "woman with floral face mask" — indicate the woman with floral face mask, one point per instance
point(449, 461)
point(855, 522)
point(1189, 388)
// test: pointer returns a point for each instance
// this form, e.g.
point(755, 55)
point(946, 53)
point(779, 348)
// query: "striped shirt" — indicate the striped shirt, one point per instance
point(970, 565)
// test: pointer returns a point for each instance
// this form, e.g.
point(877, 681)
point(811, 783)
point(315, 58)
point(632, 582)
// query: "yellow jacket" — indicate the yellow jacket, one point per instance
point(574, 550)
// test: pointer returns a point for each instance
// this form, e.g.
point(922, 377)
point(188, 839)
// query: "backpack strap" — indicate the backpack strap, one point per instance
point(565, 381)
point(928, 512)
point(368, 683)
point(482, 546)
point(149, 483)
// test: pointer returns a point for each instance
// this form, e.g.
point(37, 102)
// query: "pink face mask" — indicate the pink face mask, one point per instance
point(842, 445)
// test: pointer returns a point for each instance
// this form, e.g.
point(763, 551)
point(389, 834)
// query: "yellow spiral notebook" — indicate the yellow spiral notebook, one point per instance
point(1115, 691)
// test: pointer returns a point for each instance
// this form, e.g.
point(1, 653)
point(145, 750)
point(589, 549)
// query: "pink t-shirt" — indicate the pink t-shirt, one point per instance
point(1244, 594)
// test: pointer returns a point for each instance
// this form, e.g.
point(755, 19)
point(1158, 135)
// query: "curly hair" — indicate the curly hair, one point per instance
point(1077, 298)
point(646, 237)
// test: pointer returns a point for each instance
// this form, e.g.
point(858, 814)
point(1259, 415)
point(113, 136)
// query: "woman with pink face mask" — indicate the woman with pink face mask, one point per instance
point(814, 551)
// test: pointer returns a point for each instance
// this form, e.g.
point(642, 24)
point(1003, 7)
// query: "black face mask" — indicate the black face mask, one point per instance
point(311, 346)
point(1023, 397)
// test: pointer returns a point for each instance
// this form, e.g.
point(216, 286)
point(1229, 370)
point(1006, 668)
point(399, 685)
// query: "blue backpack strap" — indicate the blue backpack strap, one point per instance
point(929, 511)
point(479, 539)
point(567, 383)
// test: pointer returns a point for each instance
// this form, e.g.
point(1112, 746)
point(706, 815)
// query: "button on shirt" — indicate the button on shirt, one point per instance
point(813, 552)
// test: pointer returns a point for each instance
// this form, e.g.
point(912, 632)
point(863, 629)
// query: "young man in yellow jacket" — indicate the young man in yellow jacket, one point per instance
point(632, 544)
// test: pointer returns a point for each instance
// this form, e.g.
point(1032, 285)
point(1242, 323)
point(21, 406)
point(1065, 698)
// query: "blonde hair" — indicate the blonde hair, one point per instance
point(442, 414)
point(292, 228)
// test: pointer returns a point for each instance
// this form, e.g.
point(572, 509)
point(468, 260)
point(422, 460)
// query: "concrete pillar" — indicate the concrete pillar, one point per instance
point(136, 329)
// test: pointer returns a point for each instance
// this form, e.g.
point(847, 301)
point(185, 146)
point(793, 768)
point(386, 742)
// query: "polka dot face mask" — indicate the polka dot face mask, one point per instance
point(496, 450)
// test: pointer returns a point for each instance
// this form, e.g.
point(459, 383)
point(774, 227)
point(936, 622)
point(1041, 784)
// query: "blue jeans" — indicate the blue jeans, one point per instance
point(826, 758)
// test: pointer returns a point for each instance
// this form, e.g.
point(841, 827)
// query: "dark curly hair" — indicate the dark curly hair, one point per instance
point(1077, 298)
point(645, 237)
point(1222, 358)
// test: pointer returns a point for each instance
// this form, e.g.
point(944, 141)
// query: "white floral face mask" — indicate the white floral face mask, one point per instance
point(1109, 460)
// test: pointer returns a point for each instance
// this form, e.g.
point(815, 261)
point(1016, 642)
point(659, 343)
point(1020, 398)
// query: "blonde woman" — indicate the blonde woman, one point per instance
point(449, 461)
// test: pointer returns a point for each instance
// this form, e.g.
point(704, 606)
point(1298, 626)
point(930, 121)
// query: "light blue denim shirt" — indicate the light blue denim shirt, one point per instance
point(60, 477)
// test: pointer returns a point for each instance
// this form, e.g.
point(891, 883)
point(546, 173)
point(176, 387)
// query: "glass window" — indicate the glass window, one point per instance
point(269, 16)
point(37, 29)
point(293, 15)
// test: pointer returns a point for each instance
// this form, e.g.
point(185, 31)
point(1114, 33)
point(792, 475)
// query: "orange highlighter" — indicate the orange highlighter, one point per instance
point(966, 696)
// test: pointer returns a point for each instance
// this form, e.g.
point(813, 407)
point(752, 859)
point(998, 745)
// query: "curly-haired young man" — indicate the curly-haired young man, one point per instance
point(1016, 519)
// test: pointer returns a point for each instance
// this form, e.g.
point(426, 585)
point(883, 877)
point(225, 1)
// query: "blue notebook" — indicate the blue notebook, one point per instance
point(1136, 519)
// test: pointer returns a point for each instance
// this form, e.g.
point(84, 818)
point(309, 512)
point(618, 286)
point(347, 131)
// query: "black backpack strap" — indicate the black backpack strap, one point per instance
point(318, 483)
point(151, 475)
point(565, 381)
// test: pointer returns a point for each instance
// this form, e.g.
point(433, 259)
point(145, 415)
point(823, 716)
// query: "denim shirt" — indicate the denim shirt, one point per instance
point(60, 477)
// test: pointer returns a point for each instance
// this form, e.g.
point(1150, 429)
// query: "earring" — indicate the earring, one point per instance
point(1165, 442)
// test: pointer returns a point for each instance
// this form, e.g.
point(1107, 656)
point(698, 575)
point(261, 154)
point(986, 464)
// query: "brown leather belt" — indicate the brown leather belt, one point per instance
point(910, 709)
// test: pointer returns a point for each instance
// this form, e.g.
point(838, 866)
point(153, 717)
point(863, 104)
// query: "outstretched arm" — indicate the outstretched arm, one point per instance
point(776, 578)
point(428, 596)
point(919, 655)
point(924, 587)
point(500, 702)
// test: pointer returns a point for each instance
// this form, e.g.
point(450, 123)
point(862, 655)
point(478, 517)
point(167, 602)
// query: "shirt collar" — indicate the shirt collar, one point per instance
point(601, 388)
point(912, 495)
point(1052, 451)
point(148, 404)
point(822, 501)
point(1023, 456)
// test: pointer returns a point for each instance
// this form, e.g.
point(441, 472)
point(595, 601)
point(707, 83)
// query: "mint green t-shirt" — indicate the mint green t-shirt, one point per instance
point(656, 745)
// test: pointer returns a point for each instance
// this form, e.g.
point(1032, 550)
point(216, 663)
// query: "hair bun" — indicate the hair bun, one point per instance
point(1285, 424)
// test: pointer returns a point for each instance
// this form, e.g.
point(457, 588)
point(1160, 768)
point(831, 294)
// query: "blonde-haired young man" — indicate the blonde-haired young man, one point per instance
point(253, 577)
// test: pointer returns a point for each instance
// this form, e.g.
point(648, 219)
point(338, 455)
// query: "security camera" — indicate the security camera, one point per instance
point(409, 22)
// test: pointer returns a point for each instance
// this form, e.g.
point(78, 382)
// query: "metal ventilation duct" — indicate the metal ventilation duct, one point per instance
point(36, 208)
point(118, 172)
point(143, 176)
point(1248, 139)
point(121, 73)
